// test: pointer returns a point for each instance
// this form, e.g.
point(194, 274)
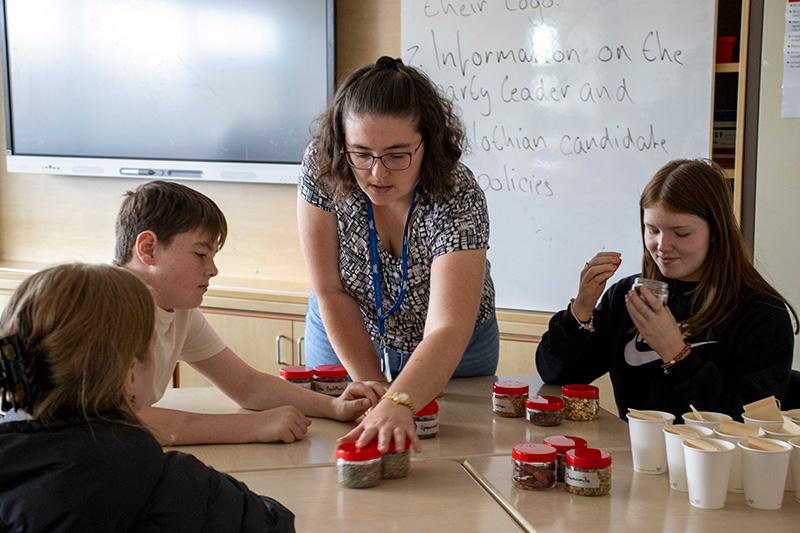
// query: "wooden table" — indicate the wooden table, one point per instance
point(437, 495)
point(637, 502)
point(467, 428)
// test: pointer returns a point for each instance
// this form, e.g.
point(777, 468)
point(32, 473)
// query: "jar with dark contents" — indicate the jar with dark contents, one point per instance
point(330, 379)
point(508, 398)
point(534, 466)
point(358, 468)
point(581, 402)
point(299, 375)
point(562, 444)
point(427, 421)
point(545, 410)
point(588, 472)
point(396, 463)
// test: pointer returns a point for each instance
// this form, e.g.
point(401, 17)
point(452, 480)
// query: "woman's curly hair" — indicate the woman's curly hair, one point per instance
point(388, 87)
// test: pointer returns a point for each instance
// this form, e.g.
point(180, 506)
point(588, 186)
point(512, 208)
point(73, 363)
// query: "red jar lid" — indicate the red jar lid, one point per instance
point(330, 371)
point(429, 409)
point(580, 391)
point(545, 403)
point(512, 388)
point(392, 448)
point(588, 458)
point(349, 452)
point(564, 443)
point(531, 452)
point(296, 372)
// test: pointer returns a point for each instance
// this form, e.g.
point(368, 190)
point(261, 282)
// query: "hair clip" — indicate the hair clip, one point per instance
point(12, 374)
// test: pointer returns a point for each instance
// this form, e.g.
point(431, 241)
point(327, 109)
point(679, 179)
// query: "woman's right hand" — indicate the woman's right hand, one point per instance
point(594, 276)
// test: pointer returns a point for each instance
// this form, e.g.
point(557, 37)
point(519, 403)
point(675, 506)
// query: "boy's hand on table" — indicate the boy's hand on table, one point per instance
point(357, 398)
point(281, 424)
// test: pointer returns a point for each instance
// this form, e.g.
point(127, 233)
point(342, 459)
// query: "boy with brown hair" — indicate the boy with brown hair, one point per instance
point(168, 235)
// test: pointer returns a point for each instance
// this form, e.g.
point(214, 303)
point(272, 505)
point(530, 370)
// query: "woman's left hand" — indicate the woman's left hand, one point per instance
point(655, 323)
point(387, 421)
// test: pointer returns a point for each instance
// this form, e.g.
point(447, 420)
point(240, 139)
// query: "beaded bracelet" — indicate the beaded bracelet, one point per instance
point(588, 325)
point(681, 356)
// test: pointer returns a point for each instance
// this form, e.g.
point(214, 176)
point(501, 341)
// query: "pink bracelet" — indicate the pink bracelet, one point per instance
point(681, 356)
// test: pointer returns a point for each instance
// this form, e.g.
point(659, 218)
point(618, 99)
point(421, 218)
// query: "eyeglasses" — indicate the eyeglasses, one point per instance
point(394, 161)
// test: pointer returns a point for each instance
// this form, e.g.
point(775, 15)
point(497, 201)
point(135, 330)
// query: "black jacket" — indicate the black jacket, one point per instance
point(109, 476)
point(749, 356)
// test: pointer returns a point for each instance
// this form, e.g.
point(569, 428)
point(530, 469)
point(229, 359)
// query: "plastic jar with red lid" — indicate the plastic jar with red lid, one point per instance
point(396, 463)
point(299, 375)
point(508, 398)
point(581, 402)
point(427, 421)
point(358, 468)
point(330, 379)
point(545, 410)
point(562, 444)
point(588, 472)
point(534, 466)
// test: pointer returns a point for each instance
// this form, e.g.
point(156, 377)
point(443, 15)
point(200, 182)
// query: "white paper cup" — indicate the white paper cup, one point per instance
point(647, 442)
point(710, 419)
point(707, 473)
point(676, 466)
point(735, 483)
point(760, 470)
point(776, 431)
point(794, 442)
point(757, 422)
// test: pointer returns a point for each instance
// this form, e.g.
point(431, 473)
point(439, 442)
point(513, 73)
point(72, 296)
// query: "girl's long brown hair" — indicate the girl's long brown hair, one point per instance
point(80, 326)
point(728, 277)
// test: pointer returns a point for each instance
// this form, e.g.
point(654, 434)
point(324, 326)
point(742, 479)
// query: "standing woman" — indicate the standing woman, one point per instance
point(394, 230)
point(724, 338)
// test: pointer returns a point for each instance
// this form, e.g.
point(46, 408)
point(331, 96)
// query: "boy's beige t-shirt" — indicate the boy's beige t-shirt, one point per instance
point(182, 334)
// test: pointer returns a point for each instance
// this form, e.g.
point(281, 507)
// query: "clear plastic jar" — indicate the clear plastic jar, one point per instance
point(563, 444)
point(358, 468)
point(588, 472)
point(545, 410)
point(534, 466)
point(299, 375)
point(659, 289)
point(427, 421)
point(396, 463)
point(508, 398)
point(581, 402)
point(330, 379)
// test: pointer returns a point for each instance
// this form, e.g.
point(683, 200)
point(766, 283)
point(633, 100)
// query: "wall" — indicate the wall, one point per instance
point(46, 219)
point(777, 247)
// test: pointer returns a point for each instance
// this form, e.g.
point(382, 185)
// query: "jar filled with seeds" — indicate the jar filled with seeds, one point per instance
point(508, 398)
point(581, 402)
point(299, 375)
point(588, 472)
point(330, 379)
point(427, 421)
point(545, 410)
point(534, 466)
point(358, 468)
point(563, 444)
point(396, 463)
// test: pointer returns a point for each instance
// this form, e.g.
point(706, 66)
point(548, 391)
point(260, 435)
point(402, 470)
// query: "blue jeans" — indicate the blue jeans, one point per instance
point(479, 359)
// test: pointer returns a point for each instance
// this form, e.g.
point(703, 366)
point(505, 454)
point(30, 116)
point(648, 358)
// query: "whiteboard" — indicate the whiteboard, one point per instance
point(570, 107)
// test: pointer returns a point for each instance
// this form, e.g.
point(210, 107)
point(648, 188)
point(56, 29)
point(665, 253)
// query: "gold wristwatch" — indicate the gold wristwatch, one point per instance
point(400, 398)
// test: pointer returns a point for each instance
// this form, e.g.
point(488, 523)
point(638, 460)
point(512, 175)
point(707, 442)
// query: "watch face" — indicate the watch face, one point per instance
point(403, 397)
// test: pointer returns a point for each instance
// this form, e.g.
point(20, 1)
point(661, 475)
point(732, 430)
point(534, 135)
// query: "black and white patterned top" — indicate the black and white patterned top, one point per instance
point(459, 223)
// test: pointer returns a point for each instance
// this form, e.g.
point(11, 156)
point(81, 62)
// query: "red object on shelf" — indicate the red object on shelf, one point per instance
point(725, 46)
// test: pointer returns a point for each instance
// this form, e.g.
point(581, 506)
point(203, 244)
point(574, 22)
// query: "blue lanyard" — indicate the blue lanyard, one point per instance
point(375, 262)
